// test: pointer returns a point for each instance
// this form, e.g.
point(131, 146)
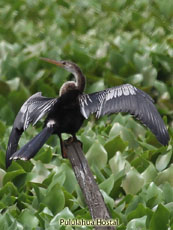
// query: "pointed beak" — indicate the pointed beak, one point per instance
point(58, 63)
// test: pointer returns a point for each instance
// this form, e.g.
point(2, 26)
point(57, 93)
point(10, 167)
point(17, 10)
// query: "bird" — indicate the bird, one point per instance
point(66, 113)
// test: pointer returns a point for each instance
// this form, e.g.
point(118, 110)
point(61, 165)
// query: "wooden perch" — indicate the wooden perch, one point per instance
point(88, 185)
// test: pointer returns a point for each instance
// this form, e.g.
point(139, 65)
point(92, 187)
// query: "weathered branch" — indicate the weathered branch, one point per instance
point(92, 194)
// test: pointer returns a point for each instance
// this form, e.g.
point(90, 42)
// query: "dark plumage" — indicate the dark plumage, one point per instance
point(67, 113)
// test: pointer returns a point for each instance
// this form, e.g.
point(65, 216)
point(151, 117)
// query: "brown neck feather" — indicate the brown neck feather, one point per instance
point(80, 80)
point(67, 86)
point(79, 84)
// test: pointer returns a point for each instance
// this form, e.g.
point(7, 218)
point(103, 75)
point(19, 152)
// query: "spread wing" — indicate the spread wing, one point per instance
point(126, 98)
point(33, 110)
point(30, 113)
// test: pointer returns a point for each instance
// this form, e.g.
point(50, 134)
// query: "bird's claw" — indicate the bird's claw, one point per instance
point(64, 152)
point(80, 143)
point(70, 140)
point(67, 142)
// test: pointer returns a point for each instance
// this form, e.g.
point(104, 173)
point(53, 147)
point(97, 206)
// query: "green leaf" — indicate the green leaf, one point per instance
point(2, 173)
point(11, 175)
point(124, 133)
point(28, 219)
point(8, 188)
point(165, 176)
point(108, 200)
point(2, 129)
point(64, 214)
point(114, 145)
point(17, 98)
point(147, 146)
point(87, 141)
point(7, 114)
point(4, 88)
point(133, 182)
point(163, 160)
point(167, 192)
point(149, 75)
point(7, 201)
point(136, 78)
point(152, 195)
point(169, 206)
point(14, 83)
point(70, 179)
point(149, 174)
point(140, 211)
point(137, 224)
point(38, 173)
point(160, 218)
point(117, 163)
point(117, 184)
point(97, 155)
point(133, 202)
point(99, 85)
point(2, 101)
point(58, 178)
point(165, 9)
point(113, 79)
point(55, 199)
point(7, 221)
point(116, 60)
point(15, 226)
point(45, 155)
point(107, 185)
point(160, 86)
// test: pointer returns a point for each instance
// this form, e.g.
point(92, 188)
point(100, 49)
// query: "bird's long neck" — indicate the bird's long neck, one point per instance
point(80, 80)
point(78, 84)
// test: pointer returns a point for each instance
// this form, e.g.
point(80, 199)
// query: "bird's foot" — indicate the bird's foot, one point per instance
point(66, 143)
point(72, 139)
point(69, 140)
point(81, 144)
point(64, 151)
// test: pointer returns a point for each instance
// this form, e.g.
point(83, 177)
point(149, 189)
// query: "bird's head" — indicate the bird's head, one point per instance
point(67, 65)
point(72, 68)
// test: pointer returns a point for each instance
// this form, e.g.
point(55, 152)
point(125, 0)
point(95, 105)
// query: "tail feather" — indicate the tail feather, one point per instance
point(12, 144)
point(33, 146)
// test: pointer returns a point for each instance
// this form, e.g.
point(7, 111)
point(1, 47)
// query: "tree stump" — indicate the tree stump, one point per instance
point(87, 183)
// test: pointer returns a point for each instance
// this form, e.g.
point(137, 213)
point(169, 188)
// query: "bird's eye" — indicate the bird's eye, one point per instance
point(63, 62)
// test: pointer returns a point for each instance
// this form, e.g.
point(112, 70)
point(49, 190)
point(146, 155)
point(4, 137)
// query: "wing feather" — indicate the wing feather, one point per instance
point(30, 113)
point(126, 98)
point(33, 110)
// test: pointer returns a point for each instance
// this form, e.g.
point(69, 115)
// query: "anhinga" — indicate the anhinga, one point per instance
point(66, 113)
